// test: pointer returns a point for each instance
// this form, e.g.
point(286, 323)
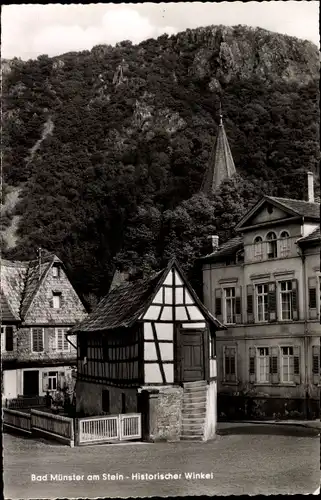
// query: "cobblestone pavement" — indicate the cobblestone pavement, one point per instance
point(272, 461)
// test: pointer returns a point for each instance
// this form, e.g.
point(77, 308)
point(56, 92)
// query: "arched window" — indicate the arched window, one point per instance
point(272, 252)
point(258, 248)
point(284, 244)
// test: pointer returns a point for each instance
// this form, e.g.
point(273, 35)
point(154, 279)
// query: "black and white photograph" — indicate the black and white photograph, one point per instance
point(160, 284)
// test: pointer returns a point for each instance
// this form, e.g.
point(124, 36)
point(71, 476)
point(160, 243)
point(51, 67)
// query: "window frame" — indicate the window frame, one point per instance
point(270, 241)
point(258, 357)
point(56, 271)
point(53, 375)
point(280, 302)
point(258, 255)
point(287, 356)
point(230, 378)
point(56, 295)
point(265, 285)
point(64, 330)
point(43, 339)
point(231, 299)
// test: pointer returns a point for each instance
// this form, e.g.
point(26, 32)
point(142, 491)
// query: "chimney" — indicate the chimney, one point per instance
point(310, 187)
point(215, 241)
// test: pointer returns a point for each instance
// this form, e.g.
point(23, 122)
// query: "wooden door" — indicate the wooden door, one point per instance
point(31, 383)
point(192, 356)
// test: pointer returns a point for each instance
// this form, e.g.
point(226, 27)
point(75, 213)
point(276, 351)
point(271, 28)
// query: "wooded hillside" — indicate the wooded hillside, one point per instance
point(109, 146)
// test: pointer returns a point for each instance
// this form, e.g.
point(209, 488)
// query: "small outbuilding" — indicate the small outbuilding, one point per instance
point(149, 347)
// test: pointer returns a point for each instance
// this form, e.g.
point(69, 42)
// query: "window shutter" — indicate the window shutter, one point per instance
point(218, 304)
point(61, 380)
point(272, 301)
point(250, 311)
point(312, 287)
point(274, 365)
point(226, 363)
point(66, 344)
point(51, 303)
point(295, 304)
point(252, 353)
point(62, 300)
point(45, 382)
point(316, 364)
point(238, 304)
point(233, 364)
point(9, 338)
point(296, 360)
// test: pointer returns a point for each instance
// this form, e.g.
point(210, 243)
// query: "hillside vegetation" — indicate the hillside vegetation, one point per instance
point(110, 145)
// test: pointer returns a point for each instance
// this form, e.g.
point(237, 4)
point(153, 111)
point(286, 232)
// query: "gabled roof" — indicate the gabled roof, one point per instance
point(126, 303)
point(299, 207)
point(221, 164)
point(312, 237)
point(294, 208)
point(6, 313)
point(227, 249)
point(20, 281)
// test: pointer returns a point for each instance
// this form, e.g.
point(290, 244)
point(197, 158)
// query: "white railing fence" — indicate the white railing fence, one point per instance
point(130, 426)
point(109, 428)
point(17, 420)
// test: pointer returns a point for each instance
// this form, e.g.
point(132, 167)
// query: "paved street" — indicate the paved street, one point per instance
point(273, 460)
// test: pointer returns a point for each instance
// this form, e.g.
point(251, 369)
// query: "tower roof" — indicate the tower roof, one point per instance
point(221, 164)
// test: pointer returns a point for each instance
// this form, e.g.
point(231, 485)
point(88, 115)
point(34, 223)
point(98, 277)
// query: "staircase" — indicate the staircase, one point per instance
point(194, 411)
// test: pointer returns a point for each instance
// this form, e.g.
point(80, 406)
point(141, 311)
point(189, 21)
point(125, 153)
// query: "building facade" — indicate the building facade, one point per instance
point(151, 342)
point(264, 285)
point(38, 306)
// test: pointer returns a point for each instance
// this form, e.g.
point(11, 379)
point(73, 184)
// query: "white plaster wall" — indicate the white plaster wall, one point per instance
point(10, 384)
point(46, 369)
point(211, 411)
point(213, 369)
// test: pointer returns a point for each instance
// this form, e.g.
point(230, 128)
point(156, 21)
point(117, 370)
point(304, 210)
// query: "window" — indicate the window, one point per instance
point(229, 364)
point(62, 343)
point(258, 248)
point(230, 301)
point(52, 381)
point(262, 312)
point(271, 245)
point(123, 402)
point(105, 401)
point(7, 338)
point(37, 340)
point(82, 348)
point(56, 300)
point(56, 271)
point(263, 364)
point(284, 244)
point(286, 300)
point(287, 364)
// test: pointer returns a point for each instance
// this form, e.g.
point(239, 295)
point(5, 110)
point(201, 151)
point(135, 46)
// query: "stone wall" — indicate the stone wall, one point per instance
point(164, 414)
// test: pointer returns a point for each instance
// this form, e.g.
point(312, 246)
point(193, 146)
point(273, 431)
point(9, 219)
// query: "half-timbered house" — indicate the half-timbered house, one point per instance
point(149, 346)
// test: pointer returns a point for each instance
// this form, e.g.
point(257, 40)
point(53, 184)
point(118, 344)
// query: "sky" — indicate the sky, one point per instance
point(53, 29)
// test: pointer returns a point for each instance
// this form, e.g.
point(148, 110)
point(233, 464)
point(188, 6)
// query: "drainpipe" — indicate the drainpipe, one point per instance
point(305, 338)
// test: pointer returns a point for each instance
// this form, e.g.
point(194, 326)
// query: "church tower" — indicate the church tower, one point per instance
point(221, 164)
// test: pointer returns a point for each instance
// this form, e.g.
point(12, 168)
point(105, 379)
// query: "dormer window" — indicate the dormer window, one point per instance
point(55, 271)
point(56, 300)
point(271, 245)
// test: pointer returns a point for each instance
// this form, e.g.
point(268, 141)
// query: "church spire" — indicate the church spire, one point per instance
point(221, 164)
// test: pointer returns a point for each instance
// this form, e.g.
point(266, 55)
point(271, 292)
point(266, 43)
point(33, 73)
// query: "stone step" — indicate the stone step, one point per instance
point(195, 406)
point(199, 383)
point(194, 399)
point(184, 437)
point(193, 420)
point(196, 388)
point(192, 430)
